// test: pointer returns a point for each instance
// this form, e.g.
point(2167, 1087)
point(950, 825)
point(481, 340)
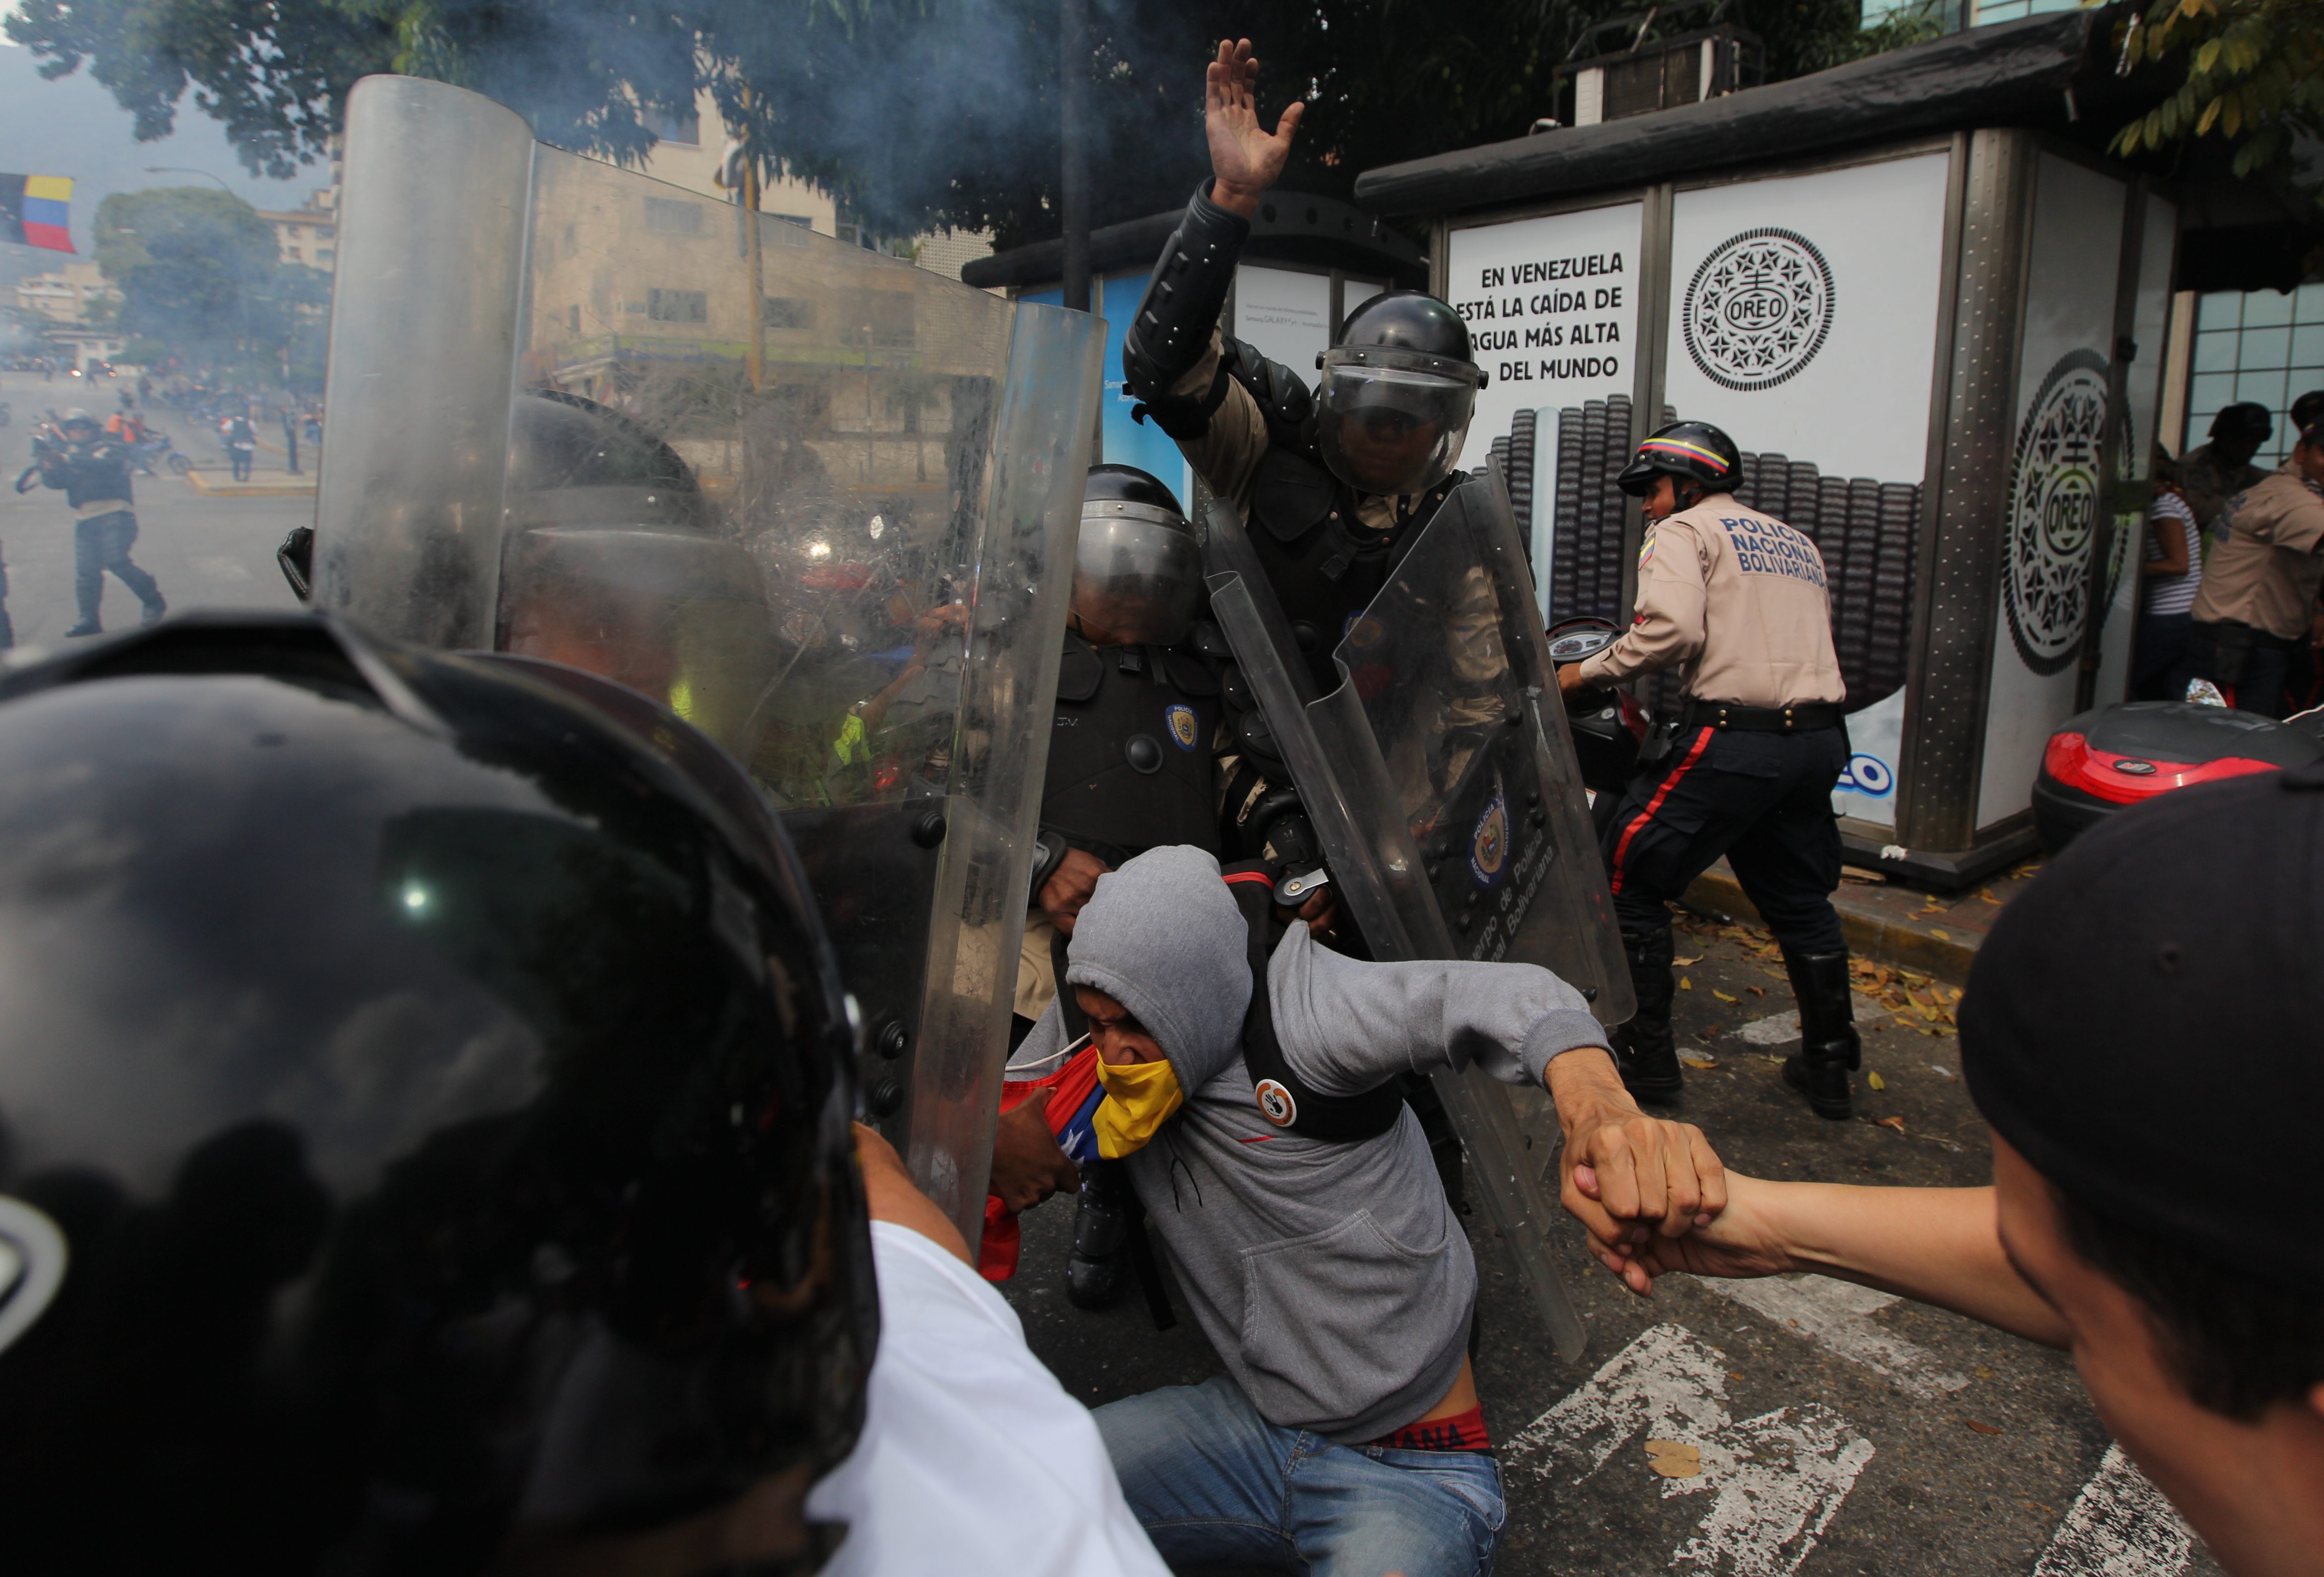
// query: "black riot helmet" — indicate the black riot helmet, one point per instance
point(1138, 570)
point(1397, 394)
point(1690, 451)
point(424, 1123)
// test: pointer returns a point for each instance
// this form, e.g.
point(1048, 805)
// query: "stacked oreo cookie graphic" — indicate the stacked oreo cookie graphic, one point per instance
point(1867, 531)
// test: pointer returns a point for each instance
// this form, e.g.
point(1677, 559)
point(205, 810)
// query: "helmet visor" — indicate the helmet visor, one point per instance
point(1391, 430)
point(1138, 574)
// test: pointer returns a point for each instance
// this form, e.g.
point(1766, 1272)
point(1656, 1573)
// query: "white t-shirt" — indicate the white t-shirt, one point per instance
point(973, 1459)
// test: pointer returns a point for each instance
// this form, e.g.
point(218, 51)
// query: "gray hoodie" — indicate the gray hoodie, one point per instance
point(1333, 1279)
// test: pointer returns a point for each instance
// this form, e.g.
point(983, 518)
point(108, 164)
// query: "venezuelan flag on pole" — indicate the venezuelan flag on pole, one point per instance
point(35, 210)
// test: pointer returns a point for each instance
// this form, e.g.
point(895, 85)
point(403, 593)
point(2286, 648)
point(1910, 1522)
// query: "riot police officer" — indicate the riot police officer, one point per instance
point(1738, 601)
point(1132, 766)
point(1333, 485)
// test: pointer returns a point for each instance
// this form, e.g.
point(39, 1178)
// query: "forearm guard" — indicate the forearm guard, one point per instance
point(1171, 330)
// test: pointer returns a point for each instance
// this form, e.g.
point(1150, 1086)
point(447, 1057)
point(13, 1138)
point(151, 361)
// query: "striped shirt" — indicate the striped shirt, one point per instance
point(2174, 593)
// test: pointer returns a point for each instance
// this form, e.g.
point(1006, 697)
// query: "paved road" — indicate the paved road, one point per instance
point(205, 552)
point(1836, 1431)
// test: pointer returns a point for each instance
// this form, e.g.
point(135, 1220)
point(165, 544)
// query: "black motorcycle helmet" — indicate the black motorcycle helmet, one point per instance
point(424, 1121)
point(1397, 394)
point(1137, 567)
point(1690, 451)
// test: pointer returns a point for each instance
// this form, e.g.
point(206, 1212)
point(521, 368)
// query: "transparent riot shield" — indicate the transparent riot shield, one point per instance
point(818, 501)
point(1442, 783)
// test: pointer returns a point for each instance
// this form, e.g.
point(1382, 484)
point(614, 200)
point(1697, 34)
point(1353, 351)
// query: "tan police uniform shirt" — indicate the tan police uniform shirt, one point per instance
point(1227, 456)
point(2265, 571)
point(1739, 600)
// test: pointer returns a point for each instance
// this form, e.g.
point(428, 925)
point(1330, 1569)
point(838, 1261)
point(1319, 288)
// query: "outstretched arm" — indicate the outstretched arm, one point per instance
point(1938, 1246)
point(1347, 1026)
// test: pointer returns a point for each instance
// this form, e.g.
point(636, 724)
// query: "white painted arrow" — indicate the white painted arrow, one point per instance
point(2119, 1526)
point(1777, 1480)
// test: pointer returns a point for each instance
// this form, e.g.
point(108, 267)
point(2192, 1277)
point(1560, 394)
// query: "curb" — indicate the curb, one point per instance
point(248, 488)
point(1870, 935)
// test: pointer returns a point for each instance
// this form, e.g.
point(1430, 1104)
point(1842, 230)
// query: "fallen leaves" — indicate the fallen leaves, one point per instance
point(1685, 985)
point(1722, 996)
point(1979, 1424)
point(1987, 894)
point(1875, 1081)
point(1683, 962)
point(1909, 997)
point(1696, 1062)
point(1895, 1123)
point(1674, 1459)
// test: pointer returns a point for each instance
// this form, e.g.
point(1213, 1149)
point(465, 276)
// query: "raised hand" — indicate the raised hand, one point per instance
point(1245, 157)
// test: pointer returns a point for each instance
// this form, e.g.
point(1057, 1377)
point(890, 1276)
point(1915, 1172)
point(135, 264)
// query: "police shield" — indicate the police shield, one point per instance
point(1442, 786)
point(816, 500)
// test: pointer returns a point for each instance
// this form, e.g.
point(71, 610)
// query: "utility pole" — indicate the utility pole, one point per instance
point(1073, 175)
point(754, 358)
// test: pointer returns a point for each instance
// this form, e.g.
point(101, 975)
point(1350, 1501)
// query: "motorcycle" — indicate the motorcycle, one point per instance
point(159, 445)
point(1610, 728)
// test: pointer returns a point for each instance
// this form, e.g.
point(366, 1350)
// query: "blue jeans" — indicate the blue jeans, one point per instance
point(1215, 1484)
point(100, 543)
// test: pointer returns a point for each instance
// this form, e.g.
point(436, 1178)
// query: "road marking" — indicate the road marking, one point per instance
point(1777, 1480)
point(1836, 1316)
point(1775, 1029)
point(2119, 1526)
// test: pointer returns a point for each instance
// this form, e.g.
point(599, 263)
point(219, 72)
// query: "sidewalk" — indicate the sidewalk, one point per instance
point(265, 482)
point(1936, 935)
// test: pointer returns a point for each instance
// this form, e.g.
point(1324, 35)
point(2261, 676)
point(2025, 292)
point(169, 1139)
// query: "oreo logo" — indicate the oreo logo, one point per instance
point(2054, 495)
point(33, 1260)
point(1275, 1104)
point(1866, 775)
point(1758, 308)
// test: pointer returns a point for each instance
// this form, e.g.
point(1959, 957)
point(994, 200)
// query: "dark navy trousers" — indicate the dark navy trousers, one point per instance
point(1764, 800)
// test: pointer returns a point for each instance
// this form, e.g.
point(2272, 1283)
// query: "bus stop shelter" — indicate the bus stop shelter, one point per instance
point(1932, 312)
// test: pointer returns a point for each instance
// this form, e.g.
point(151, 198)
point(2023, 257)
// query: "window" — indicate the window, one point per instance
point(786, 312)
point(326, 232)
point(678, 306)
point(2260, 347)
point(669, 216)
point(886, 313)
point(672, 126)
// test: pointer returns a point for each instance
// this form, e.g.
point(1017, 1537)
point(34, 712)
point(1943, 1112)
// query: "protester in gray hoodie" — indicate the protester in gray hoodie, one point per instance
point(1332, 1277)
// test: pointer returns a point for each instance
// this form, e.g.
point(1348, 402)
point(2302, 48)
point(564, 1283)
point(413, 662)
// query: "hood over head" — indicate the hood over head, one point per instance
point(1163, 938)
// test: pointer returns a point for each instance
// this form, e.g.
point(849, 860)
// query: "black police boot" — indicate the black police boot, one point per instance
point(1645, 1053)
point(1830, 1047)
point(1100, 1266)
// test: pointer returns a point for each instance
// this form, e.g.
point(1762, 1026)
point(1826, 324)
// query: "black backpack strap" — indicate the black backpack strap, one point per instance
point(1285, 1099)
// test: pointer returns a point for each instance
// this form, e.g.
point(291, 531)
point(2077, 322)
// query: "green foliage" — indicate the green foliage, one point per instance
point(914, 113)
point(201, 278)
point(2251, 71)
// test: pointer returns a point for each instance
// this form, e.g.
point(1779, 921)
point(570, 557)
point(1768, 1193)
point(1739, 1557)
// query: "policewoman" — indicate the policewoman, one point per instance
point(1737, 602)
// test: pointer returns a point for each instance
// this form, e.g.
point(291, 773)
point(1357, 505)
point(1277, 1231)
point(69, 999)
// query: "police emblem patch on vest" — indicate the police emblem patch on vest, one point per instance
point(1184, 726)
point(1489, 845)
point(1275, 1104)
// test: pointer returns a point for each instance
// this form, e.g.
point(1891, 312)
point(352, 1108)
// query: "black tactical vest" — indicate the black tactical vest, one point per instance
point(1324, 565)
point(1130, 766)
